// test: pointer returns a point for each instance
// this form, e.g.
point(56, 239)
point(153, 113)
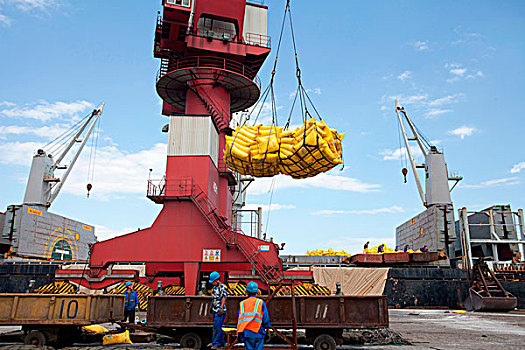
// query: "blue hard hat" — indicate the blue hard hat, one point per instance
point(214, 276)
point(129, 283)
point(252, 287)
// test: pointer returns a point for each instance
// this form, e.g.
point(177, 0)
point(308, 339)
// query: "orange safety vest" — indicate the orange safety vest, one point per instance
point(250, 315)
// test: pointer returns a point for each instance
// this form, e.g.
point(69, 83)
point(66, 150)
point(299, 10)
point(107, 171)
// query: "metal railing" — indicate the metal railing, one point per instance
point(212, 62)
point(513, 225)
point(216, 33)
point(255, 39)
point(185, 188)
point(224, 34)
point(209, 62)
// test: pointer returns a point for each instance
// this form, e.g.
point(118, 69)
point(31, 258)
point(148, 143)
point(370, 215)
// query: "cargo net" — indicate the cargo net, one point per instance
point(269, 150)
point(264, 151)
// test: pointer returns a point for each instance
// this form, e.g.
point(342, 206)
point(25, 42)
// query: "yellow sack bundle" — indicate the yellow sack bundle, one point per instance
point(375, 250)
point(95, 329)
point(263, 151)
point(309, 150)
point(120, 338)
point(329, 252)
point(253, 150)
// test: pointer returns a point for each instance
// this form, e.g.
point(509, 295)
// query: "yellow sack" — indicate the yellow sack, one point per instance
point(264, 151)
point(120, 338)
point(267, 144)
point(95, 329)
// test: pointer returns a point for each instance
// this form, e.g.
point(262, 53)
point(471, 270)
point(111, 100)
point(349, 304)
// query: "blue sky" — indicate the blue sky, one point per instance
point(457, 67)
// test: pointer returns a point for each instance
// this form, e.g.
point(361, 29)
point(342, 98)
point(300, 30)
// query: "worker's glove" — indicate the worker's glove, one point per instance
point(221, 312)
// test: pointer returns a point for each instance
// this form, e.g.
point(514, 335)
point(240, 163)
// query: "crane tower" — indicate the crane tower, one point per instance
point(210, 52)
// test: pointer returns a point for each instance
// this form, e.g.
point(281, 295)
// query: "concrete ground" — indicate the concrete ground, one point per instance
point(443, 329)
point(425, 329)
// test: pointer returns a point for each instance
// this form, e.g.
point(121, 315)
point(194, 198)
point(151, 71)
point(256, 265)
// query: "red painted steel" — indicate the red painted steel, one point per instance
point(396, 258)
point(206, 68)
point(367, 259)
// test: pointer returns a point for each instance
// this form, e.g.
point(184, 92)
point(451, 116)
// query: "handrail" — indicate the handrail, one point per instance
point(186, 188)
point(211, 62)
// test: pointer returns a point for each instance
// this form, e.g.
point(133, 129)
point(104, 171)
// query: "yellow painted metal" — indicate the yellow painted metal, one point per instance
point(61, 287)
point(60, 309)
point(143, 293)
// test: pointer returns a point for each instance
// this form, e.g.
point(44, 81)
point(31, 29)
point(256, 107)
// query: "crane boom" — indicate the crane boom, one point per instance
point(93, 120)
point(43, 186)
point(437, 189)
point(407, 146)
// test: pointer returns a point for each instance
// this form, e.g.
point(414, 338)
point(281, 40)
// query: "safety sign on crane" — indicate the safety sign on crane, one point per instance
point(211, 255)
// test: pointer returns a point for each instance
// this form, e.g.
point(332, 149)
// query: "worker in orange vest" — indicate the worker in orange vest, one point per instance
point(253, 319)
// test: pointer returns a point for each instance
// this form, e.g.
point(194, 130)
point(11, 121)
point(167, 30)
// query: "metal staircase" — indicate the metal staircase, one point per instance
point(219, 116)
point(263, 267)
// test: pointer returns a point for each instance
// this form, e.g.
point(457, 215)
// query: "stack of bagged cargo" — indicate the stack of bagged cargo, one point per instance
point(375, 250)
point(329, 252)
point(309, 150)
point(264, 151)
point(253, 150)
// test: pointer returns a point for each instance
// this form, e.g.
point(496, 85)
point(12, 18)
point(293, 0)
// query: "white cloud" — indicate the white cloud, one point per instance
point(48, 132)
point(463, 131)
point(4, 20)
point(316, 91)
point(422, 103)
point(421, 45)
point(465, 37)
point(433, 113)
point(478, 74)
point(458, 71)
point(447, 100)
point(272, 207)
point(45, 111)
point(103, 233)
point(324, 181)
point(516, 168)
point(7, 103)
point(18, 153)
point(116, 171)
point(406, 100)
point(388, 210)
point(507, 181)
point(30, 5)
point(259, 114)
point(389, 154)
point(405, 75)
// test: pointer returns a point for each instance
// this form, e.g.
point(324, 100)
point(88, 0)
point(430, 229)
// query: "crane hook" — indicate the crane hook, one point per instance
point(89, 187)
point(404, 171)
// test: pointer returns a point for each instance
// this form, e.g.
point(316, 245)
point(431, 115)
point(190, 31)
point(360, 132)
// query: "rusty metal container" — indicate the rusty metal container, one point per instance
point(41, 234)
point(366, 259)
point(396, 258)
point(423, 257)
point(60, 309)
point(312, 311)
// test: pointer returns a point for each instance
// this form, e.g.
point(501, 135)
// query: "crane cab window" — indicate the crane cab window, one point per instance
point(185, 3)
point(216, 28)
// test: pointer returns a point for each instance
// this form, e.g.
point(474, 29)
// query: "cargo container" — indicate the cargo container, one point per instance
point(434, 227)
point(34, 232)
point(189, 318)
point(57, 318)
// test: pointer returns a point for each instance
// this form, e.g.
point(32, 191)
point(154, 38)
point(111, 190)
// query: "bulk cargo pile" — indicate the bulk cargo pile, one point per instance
point(375, 250)
point(329, 252)
point(265, 151)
